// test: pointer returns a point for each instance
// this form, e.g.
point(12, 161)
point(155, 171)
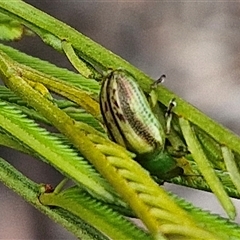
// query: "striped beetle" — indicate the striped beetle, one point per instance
point(131, 123)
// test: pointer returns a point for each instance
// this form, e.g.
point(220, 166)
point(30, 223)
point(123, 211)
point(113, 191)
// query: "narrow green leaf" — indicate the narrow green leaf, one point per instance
point(75, 61)
point(231, 166)
point(197, 181)
point(30, 192)
point(205, 168)
point(51, 149)
point(95, 213)
point(89, 85)
point(222, 227)
point(69, 107)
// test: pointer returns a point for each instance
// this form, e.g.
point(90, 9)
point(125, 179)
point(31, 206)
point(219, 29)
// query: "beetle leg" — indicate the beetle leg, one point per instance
point(168, 114)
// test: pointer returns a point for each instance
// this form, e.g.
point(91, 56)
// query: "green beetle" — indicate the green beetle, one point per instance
point(131, 123)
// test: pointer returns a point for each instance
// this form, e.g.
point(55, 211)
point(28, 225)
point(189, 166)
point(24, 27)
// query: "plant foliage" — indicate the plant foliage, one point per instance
point(108, 183)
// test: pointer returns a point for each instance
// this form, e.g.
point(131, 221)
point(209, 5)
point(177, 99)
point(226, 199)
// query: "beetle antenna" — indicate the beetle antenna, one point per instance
point(159, 81)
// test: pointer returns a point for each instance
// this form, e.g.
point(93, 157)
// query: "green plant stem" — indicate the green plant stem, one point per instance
point(214, 223)
point(7, 141)
point(29, 190)
point(76, 62)
point(89, 51)
point(106, 166)
point(65, 89)
point(50, 149)
point(89, 85)
point(54, 32)
point(95, 213)
point(68, 127)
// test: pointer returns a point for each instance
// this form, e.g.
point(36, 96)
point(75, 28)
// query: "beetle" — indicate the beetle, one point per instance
point(131, 123)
